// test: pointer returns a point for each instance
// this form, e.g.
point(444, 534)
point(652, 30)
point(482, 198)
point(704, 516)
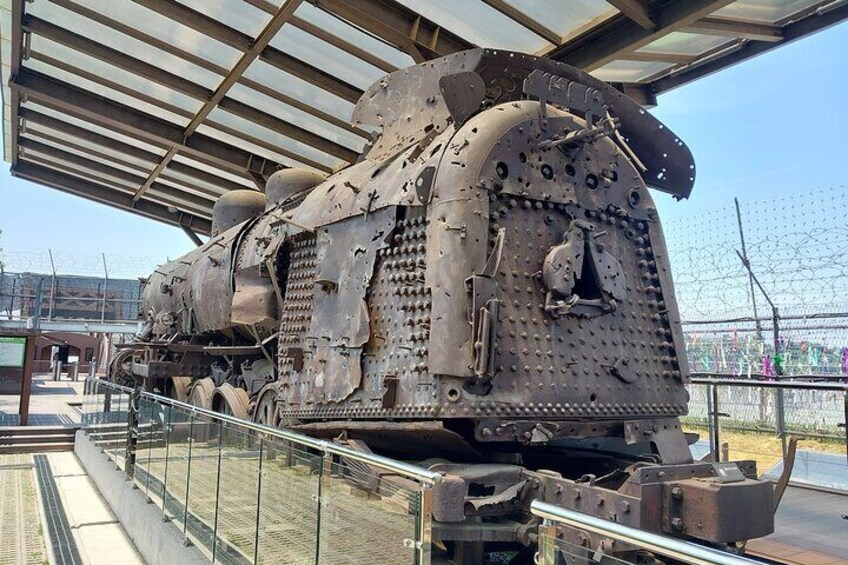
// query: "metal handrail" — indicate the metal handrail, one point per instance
point(384, 463)
point(669, 547)
point(744, 382)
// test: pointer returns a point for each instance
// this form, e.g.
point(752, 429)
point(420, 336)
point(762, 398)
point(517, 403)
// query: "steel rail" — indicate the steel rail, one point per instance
point(669, 547)
point(385, 463)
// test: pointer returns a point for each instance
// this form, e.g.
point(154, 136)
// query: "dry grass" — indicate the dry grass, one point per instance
point(765, 448)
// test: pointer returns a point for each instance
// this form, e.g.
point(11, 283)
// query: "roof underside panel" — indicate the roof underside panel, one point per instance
point(159, 107)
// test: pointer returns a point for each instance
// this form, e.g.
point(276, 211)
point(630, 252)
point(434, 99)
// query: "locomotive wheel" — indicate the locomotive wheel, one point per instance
point(180, 385)
point(120, 370)
point(230, 400)
point(266, 411)
point(201, 393)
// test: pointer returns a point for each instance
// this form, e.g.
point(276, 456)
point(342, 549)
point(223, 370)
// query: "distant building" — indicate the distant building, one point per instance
point(68, 297)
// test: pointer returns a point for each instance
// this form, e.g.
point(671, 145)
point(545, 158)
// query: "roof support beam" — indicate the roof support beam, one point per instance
point(17, 45)
point(636, 10)
point(209, 65)
point(526, 21)
point(180, 84)
point(816, 22)
point(176, 111)
point(734, 28)
point(129, 121)
point(340, 43)
point(197, 202)
point(400, 26)
point(93, 191)
point(263, 39)
point(652, 56)
point(610, 40)
point(241, 41)
point(191, 235)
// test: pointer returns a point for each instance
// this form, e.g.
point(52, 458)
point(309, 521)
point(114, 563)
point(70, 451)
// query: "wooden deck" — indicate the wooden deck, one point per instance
point(809, 530)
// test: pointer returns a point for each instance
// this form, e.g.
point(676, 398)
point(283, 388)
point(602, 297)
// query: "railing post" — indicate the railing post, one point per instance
point(324, 474)
point(132, 434)
point(715, 446)
point(217, 491)
point(425, 525)
point(258, 500)
point(188, 474)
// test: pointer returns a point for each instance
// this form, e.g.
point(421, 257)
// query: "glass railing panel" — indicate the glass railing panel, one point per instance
point(238, 495)
point(155, 466)
point(288, 504)
point(202, 498)
point(177, 467)
point(145, 439)
point(816, 418)
point(115, 428)
point(556, 550)
point(366, 516)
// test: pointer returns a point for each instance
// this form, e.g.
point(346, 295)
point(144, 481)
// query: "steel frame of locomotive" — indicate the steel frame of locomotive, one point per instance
point(486, 292)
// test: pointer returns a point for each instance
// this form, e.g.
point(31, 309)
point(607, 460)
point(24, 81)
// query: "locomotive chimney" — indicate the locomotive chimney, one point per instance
point(285, 183)
point(235, 207)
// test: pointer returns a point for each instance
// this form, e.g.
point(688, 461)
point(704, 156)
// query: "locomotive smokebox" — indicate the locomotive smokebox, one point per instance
point(236, 207)
point(284, 184)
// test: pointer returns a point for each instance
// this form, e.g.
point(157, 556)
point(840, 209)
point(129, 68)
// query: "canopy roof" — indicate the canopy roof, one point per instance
point(160, 106)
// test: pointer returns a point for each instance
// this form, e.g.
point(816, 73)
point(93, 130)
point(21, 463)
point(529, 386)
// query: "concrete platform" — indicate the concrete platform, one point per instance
point(51, 403)
point(96, 536)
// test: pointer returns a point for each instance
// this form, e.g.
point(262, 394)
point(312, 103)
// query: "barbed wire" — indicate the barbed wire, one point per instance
point(118, 266)
point(797, 247)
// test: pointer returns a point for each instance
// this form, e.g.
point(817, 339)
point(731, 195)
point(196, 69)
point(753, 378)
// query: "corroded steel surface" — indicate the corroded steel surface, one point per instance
point(493, 264)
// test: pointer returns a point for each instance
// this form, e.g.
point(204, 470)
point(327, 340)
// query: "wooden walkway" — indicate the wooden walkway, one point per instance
point(809, 530)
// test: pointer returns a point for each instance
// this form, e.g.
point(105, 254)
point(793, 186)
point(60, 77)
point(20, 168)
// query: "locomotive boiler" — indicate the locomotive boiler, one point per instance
point(486, 292)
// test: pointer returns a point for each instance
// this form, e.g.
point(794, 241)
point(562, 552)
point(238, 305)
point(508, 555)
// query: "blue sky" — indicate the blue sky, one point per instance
point(765, 128)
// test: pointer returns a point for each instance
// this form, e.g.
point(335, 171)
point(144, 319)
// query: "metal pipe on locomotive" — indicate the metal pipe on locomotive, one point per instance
point(486, 292)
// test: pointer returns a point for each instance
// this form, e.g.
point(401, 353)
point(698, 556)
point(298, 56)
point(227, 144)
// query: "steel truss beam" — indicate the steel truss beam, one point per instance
point(817, 21)
point(155, 74)
point(32, 116)
point(203, 203)
point(218, 99)
point(208, 65)
point(271, 167)
point(734, 28)
point(619, 35)
point(129, 121)
point(636, 10)
point(241, 41)
point(525, 21)
point(395, 23)
point(93, 191)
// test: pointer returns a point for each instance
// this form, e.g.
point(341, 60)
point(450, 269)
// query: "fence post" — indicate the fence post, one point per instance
point(132, 434)
point(715, 446)
point(780, 409)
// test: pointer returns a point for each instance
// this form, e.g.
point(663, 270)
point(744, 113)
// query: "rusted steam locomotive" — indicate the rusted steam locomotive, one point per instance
point(485, 292)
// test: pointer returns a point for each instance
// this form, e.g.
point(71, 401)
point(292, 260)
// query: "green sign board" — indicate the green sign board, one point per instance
point(12, 351)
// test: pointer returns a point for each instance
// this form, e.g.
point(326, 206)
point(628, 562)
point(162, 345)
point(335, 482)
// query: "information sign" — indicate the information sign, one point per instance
point(12, 351)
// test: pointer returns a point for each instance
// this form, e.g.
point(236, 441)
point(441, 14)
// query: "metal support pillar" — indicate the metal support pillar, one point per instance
point(132, 434)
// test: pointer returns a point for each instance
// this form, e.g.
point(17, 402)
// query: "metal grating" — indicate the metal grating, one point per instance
point(21, 538)
point(59, 532)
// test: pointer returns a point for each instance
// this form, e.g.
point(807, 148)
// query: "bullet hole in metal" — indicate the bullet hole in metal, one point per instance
point(634, 198)
point(569, 170)
point(547, 172)
point(376, 172)
point(591, 181)
point(522, 157)
point(453, 395)
point(593, 397)
point(502, 170)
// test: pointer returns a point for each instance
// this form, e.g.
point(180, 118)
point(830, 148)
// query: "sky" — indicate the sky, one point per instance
point(765, 128)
